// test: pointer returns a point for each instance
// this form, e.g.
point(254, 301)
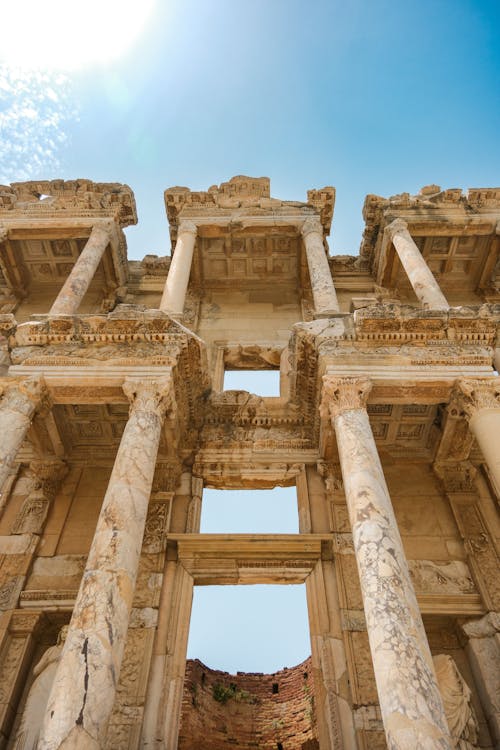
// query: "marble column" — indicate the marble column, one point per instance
point(324, 294)
point(83, 692)
point(480, 402)
point(410, 701)
point(19, 402)
point(73, 291)
point(174, 293)
point(421, 278)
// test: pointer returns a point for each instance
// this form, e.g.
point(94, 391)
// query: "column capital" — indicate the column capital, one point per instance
point(343, 394)
point(155, 396)
point(312, 224)
point(396, 226)
point(471, 395)
point(187, 227)
point(48, 474)
point(32, 390)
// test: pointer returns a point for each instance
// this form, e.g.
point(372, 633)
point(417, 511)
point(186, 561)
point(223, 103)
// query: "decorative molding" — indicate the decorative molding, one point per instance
point(343, 394)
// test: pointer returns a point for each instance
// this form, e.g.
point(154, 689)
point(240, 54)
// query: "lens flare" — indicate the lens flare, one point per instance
point(63, 35)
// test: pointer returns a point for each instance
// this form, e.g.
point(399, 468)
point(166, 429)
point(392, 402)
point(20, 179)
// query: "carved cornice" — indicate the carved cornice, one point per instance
point(343, 394)
point(473, 395)
point(431, 205)
point(72, 198)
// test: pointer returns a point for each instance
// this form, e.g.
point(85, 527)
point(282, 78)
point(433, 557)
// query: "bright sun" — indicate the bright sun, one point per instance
point(70, 34)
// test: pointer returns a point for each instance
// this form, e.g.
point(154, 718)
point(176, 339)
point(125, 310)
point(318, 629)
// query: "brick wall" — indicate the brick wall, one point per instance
point(248, 710)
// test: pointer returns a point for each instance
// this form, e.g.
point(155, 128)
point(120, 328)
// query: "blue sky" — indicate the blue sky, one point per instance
point(370, 96)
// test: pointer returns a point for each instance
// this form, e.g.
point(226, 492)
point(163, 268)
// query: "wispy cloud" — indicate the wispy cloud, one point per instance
point(37, 109)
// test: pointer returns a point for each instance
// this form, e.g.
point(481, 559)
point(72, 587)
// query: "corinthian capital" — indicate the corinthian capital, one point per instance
point(343, 394)
point(155, 396)
point(187, 227)
point(312, 224)
point(473, 395)
point(27, 394)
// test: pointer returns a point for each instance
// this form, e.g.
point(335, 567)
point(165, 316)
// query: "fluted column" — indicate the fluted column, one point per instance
point(73, 291)
point(84, 687)
point(410, 701)
point(17, 408)
point(480, 402)
point(174, 293)
point(323, 290)
point(421, 278)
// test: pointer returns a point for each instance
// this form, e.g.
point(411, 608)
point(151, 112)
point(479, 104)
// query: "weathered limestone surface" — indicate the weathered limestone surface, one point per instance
point(423, 282)
point(84, 686)
point(409, 697)
point(174, 294)
point(412, 461)
point(74, 288)
point(17, 407)
point(324, 295)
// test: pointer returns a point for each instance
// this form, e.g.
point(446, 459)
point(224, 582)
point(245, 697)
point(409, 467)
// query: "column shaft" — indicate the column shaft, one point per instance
point(421, 278)
point(84, 687)
point(17, 409)
point(174, 293)
point(323, 289)
point(73, 291)
point(410, 701)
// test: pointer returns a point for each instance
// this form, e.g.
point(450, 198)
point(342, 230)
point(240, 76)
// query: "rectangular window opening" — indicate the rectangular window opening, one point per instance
point(261, 382)
point(250, 511)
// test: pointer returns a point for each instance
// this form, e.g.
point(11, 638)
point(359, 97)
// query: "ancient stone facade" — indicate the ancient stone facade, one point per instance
point(114, 417)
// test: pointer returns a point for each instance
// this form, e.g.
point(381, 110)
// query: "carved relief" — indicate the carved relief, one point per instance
point(441, 578)
point(156, 526)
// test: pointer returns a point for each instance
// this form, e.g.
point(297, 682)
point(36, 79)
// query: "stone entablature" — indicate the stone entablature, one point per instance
point(75, 198)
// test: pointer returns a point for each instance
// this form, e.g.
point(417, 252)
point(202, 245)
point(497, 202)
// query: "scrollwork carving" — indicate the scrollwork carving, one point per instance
point(153, 396)
point(343, 394)
point(473, 395)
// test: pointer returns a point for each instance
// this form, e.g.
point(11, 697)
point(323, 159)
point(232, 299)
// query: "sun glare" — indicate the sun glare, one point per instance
point(65, 35)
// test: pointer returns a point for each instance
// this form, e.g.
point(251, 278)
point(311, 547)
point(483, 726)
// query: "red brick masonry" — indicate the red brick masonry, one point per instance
point(248, 710)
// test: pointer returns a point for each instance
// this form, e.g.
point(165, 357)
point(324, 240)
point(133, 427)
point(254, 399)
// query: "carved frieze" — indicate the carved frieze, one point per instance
point(431, 577)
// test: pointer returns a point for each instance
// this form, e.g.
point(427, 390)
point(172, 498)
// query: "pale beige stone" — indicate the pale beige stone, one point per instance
point(423, 282)
point(74, 288)
point(411, 705)
point(324, 295)
point(251, 284)
point(174, 294)
point(85, 682)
